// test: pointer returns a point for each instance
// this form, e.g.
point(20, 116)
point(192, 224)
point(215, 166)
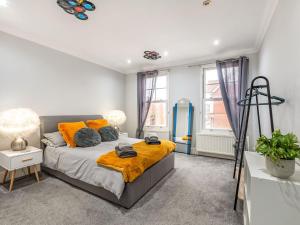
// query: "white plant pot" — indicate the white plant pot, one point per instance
point(281, 168)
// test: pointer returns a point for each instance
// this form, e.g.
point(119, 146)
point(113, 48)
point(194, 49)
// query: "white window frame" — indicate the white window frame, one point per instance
point(162, 128)
point(222, 131)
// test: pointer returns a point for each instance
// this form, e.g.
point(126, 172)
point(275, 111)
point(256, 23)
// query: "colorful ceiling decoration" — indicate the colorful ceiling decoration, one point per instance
point(78, 8)
point(151, 55)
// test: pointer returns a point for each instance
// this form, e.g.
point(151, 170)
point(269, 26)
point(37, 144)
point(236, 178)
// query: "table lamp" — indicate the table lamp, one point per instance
point(18, 123)
point(116, 118)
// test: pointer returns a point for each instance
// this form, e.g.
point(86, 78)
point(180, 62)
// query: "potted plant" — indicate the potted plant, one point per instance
point(280, 152)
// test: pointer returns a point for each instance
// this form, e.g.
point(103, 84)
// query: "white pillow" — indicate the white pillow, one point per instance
point(55, 138)
point(47, 142)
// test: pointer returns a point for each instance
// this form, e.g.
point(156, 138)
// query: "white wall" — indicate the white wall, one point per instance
point(184, 82)
point(53, 83)
point(279, 61)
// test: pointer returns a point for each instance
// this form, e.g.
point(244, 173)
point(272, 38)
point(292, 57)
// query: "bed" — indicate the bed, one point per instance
point(79, 167)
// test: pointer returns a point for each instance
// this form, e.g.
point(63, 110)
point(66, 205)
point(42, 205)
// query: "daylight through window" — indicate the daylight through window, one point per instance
point(157, 116)
point(214, 110)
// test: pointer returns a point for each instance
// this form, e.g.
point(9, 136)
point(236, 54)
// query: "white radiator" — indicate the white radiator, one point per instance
point(216, 145)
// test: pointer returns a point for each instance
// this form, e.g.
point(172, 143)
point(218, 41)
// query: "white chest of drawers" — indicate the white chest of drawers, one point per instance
point(269, 200)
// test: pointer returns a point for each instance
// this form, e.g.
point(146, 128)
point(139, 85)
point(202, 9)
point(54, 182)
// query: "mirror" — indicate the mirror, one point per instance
point(183, 112)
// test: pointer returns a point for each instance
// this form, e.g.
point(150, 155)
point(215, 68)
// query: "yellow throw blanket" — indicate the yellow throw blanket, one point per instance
point(132, 168)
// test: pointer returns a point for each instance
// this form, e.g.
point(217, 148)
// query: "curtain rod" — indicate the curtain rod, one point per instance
point(231, 60)
point(167, 69)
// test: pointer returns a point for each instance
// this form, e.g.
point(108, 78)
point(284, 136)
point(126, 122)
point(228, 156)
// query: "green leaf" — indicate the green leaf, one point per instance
point(280, 146)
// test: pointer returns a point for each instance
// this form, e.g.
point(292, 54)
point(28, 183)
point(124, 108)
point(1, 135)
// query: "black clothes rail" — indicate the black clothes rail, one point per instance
point(252, 99)
point(277, 100)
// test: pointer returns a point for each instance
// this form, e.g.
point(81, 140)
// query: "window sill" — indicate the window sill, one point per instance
point(156, 129)
point(225, 133)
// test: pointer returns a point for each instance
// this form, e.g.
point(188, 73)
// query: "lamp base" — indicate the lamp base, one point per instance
point(19, 144)
point(117, 129)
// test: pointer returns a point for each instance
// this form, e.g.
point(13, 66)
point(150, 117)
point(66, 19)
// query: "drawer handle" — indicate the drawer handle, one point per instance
point(26, 160)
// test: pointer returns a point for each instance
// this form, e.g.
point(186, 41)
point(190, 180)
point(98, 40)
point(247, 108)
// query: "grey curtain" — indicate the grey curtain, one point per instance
point(144, 98)
point(233, 75)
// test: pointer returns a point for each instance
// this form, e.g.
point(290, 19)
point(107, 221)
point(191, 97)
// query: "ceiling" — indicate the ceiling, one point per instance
point(123, 29)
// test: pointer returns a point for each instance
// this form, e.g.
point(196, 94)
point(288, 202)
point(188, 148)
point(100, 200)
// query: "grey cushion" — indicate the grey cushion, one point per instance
point(108, 134)
point(87, 137)
point(56, 139)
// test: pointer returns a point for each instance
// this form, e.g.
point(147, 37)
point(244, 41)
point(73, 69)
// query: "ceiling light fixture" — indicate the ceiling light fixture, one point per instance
point(129, 61)
point(78, 8)
point(216, 42)
point(151, 55)
point(3, 3)
point(166, 53)
point(206, 2)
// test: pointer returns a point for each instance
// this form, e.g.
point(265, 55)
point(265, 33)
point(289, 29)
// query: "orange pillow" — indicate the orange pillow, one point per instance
point(97, 124)
point(68, 131)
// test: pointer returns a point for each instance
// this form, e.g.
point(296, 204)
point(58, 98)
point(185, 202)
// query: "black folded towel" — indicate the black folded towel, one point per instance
point(125, 151)
point(153, 140)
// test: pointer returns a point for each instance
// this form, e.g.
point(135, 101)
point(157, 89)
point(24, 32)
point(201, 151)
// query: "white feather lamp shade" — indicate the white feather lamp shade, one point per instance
point(115, 117)
point(18, 122)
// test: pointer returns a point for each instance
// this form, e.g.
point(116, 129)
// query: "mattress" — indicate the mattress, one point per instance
point(80, 164)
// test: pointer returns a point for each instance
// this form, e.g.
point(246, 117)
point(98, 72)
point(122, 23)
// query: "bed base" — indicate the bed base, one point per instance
point(132, 191)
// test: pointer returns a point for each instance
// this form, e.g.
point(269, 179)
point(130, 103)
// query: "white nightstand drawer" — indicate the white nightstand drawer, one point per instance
point(26, 160)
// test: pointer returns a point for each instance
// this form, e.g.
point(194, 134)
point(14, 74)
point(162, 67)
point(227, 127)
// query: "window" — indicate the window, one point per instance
point(158, 112)
point(214, 116)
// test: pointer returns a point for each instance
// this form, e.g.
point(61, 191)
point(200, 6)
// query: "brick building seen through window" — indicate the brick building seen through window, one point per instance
point(158, 112)
point(214, 110)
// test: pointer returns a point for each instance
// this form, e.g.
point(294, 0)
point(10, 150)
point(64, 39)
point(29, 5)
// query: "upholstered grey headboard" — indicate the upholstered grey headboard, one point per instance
point(49, 123)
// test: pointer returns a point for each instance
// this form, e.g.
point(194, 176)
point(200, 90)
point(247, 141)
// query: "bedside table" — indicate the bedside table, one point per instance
point(13, 160)
point(123, 135)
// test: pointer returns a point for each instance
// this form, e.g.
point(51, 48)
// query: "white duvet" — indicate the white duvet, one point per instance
point(80, 163)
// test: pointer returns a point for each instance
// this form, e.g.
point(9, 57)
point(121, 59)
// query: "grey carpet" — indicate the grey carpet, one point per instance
point(199, 191)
